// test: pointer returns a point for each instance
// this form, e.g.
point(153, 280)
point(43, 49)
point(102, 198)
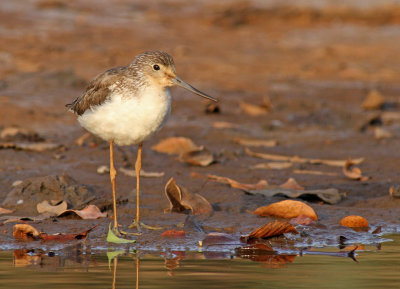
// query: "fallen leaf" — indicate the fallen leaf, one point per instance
point(374, 100)
point(45, 207)
point(291, 184)
point(352, 172)
point(201, 158)
point(297, 159)
point(394, 191)
point(143, 173)
point(4, 211)
point(176, 145)
point(317, 173)
point(65, 237)
point(112, 238)
point(330, 196)
point(272, 229)
point(25, 232)
point(389, 117)
point(354, 221)
point(381, 133)
point(272, 166)
point(255, 142)
point(252, 109)
point(89, 212)
point(35, 147)
point(287, 209)
point(224, 124)
point(20, 134)
point(173, 234)
point(215, 238)
point(302, 220)
point(182, 201)
point(234, 184)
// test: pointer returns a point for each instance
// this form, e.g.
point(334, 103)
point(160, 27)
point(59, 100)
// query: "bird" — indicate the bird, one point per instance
point(128, 104)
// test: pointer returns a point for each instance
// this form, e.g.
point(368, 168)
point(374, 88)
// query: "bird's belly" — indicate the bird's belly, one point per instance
point(128, 121)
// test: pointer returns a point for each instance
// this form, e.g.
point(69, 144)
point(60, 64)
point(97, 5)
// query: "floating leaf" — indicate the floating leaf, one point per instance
point(182, 201)
point(297, 159)
point(112, 238)
point(354, 221)
point(352, 172)
point(287, 209)
point(374, 100)
point(89, 212)
point(291, 184)
point(45, 207)
point(173, 234)
point(201, 158)
point(255, 142)
point(272, 229)
point(25, 232)
point(176, 145)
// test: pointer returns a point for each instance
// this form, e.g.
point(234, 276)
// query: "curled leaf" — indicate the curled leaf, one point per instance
point(89, 212)
point(112, 238)
point(173, 234)
point(352, 172)
point(287, 209)
point(272, 229)
point(25, 232)
point(182, 201)
point(354, 221)
point(176, 146)
point(292, 185)
point(201, 158)
point(45, 207)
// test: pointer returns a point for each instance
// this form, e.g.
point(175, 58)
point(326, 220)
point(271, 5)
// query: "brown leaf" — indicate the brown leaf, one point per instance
point(287, 209)
point(352, 172)
point(374, 100)
point(297, 159)
point(272, 166)
point(173, 234)
point(292, 185)
point(394, 191)
point(353, 221)
point(252, 109)
point(255, 142)
point(181, 200)
point(381, 133)
point(45, 207)
point(65, 237)
point(201, 158)
point(176, 146)
point(35, 147)
point(25, 232)
point(317, 173)
point(4, 211)
point(224, 124)
point(234, 184)
point(272, 229)
point(89, 212)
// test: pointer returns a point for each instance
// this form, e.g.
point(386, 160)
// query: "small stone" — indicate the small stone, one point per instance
point(103, 170)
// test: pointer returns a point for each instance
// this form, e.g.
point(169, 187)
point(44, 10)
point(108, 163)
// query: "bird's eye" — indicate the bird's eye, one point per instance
point(156, 67)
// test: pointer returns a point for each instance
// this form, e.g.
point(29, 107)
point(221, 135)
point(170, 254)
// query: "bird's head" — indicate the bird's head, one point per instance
point(159, 68)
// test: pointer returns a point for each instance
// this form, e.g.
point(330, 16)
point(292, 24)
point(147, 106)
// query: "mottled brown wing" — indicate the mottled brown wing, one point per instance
point(97, 91)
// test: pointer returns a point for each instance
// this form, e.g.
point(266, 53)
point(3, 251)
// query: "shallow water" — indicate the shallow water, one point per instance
point(376, 268)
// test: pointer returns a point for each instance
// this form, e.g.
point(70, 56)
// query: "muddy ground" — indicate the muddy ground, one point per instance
point(315, 63)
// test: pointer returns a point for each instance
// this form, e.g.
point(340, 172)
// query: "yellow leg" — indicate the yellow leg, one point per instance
point(113, 174)
point(138, 167)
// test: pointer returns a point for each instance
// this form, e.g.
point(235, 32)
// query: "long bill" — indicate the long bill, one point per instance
point(178, 81)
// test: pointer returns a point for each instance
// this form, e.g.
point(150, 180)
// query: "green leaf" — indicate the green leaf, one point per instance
point(112, 238)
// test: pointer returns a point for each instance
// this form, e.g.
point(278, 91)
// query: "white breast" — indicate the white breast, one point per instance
point(129, 120)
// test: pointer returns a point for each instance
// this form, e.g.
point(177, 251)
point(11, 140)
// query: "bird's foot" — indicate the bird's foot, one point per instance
point(140, 225)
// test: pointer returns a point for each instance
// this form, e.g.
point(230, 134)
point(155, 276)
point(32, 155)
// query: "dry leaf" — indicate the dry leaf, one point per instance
point(197, 158)
point(317, 173)
point(296, 159)
point(381, 133)
point(6, 211)
point(389, 117)
point(143, 173)
point(181, 200)
point(353, 221)
point(176, 146)
point(234, 184)
point(330, 196)
point(252, 109)
point(35, 147)
point(374, 100)
point(173, 234)
point(89, 212)
point(302, 220)
point(217, 239)
point(255, 142)
point(45, 207)
point(352, 172)
point(272, 229)
point(287, 209)
point(25, 232)
point(394, 191)
point(224, 124)
point(272, 166)
point(291, 184)
point(65, 237)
